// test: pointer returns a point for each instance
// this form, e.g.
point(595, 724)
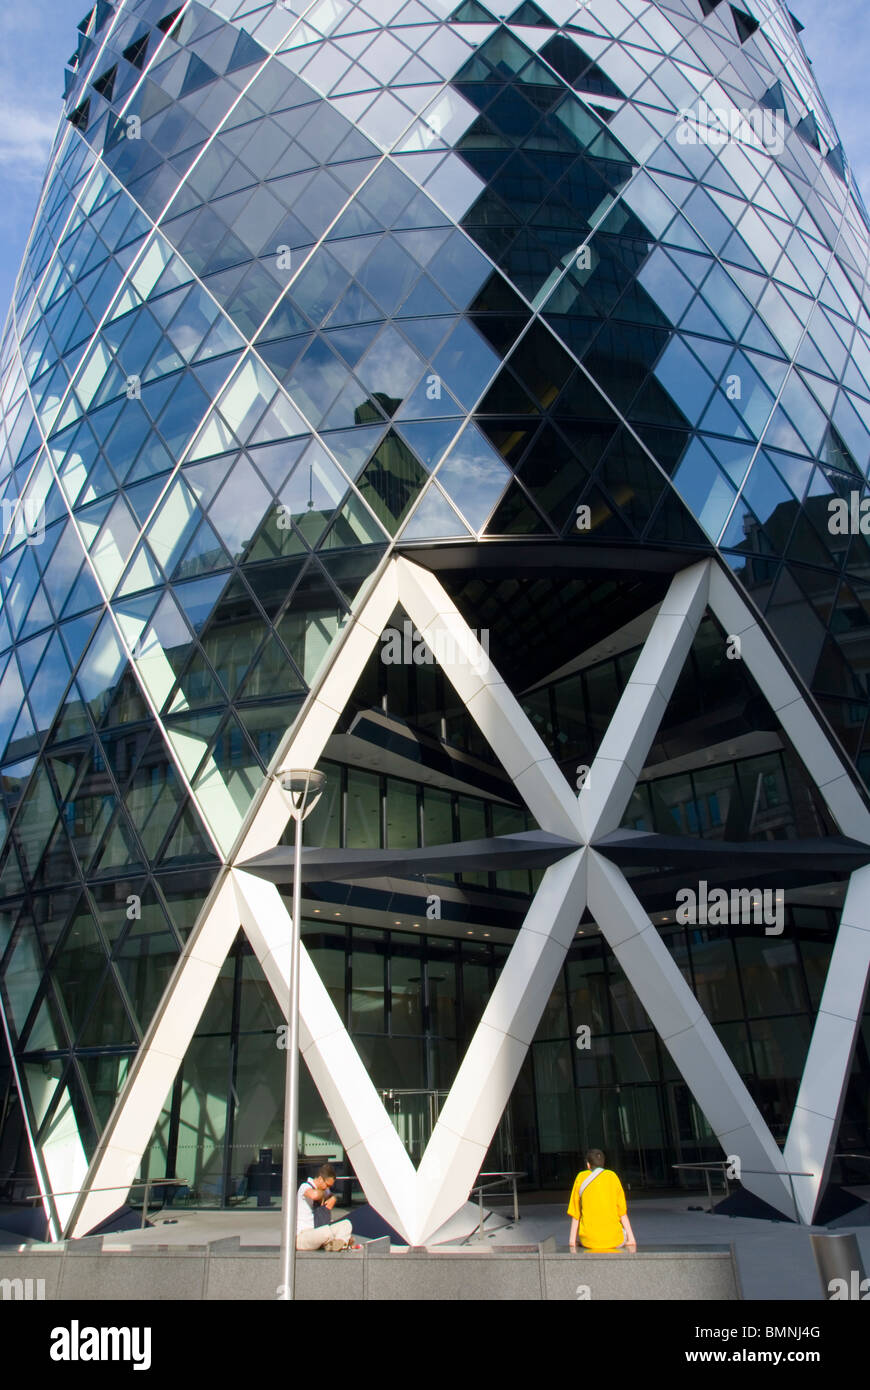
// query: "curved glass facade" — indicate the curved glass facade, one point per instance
point(553, 303)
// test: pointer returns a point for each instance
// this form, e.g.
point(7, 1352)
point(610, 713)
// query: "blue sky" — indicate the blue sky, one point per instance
point(39, 35)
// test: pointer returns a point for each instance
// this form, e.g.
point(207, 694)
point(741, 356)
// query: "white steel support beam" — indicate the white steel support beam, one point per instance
point(819, 1103)
point(131, 1124)
point(418, 1203)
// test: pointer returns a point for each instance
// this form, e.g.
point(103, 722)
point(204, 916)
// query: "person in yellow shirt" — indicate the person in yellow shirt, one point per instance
point(597, 1209)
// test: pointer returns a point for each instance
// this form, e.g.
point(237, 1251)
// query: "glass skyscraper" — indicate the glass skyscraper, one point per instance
point(475, 405)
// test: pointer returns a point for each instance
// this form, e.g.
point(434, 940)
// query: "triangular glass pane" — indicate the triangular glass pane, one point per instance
point(35, 821)
point(11, 882)
point(145, 961)
point(83, 595)
point(22, 975)
point(198, 686)
point(39, 616)
point(552, 471)
point(516, 515)
point(353, 448)
point(102, 1079)
point(119, 903)
point(47, 1031)
point(29, 655)
point(109, 1023)
point(673, 522)
point(11, 697)
point(143, 573)
point(433, 518)
point(230, 768)
point(204, 554)
point(188, 842)
point(391, 482)
point(311, 623)
point(271, 674)
point(59, 864)
point(128, 703)
point(101, 668)
point(197, 599)
point(277, 538)
point(267, 724)
point(24, 740)
point(153, 797)
point(43, 1083)
point(79, 966)
point(119, 850)
point(473, 475)
point(233, 638)
point(143, 496)
point(239, 509)
point(121, 750)
point(428, 439)
point(275, 461)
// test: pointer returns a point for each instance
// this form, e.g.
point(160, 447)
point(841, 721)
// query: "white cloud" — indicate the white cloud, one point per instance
point(25, 140)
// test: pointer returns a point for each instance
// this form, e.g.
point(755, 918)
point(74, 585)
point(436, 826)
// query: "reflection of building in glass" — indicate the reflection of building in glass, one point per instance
point(301, 296)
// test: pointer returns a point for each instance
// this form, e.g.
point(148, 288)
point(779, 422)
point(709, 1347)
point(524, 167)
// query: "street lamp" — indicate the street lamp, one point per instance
point(304, 787)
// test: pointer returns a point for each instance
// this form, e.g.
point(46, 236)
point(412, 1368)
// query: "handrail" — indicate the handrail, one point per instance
point(479, 1189)
point(714, 1163)
point(118, 1187)
point(780, 1172)
point(724, 1164)
point(147, 1183)
point(715, 1166)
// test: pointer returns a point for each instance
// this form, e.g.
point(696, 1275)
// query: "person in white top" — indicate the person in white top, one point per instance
point(313, 1192)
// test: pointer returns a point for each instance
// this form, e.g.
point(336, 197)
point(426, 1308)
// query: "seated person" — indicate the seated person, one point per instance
point(315, 1191)
point(597, 1209)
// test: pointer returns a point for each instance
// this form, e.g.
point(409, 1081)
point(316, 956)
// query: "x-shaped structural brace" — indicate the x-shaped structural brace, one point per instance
point(418, 1202)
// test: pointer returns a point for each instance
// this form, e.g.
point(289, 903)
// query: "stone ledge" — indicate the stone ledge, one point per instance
point(194, 1273)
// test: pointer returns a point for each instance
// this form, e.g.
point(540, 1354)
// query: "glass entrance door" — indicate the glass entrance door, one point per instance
point(415, 1112)
point(694, 1140)
point(627, 1122)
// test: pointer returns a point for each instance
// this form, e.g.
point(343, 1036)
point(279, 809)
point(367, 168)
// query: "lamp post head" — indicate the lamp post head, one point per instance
point(304, 787)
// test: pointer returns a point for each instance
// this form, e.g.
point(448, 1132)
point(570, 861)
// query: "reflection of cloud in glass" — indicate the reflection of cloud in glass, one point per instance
point(11, 695)
point(65, 563)
point(315, 484)
point(102, 665)
point(474, 476)
point(167, 633)
point(240, 507)
point(390, 366)
point(316, 379)
point(190, 329)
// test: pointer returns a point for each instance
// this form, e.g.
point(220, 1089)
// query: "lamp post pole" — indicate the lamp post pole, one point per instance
point(304, 788)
